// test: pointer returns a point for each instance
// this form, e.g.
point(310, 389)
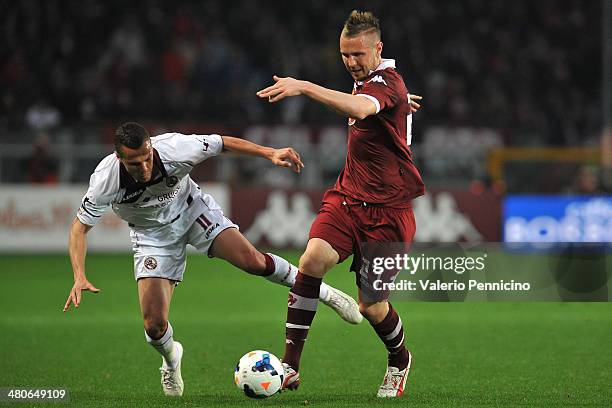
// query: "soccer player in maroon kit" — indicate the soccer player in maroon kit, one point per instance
point(371, 200)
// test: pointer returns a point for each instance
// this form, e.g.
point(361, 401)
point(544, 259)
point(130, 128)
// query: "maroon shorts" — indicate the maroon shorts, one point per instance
point(346, 224)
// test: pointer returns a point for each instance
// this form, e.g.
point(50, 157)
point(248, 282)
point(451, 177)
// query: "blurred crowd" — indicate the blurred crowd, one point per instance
point(529, 68)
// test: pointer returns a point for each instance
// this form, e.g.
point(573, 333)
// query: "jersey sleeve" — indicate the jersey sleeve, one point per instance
point(194, 149)
point(381, 90)
point(97, 200)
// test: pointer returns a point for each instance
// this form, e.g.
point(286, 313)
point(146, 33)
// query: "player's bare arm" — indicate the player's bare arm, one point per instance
point(78, 249)
point(346, 104)
point(286, 157)
point(353, 106)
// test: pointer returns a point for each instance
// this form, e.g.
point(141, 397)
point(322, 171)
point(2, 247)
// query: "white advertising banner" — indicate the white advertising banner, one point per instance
point(38, 219)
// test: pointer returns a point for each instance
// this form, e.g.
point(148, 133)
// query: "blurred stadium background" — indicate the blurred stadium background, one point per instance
point(517, 102)
point(514, 142)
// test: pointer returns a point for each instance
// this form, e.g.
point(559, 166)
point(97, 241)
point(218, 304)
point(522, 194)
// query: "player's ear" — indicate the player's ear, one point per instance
point(379, 48)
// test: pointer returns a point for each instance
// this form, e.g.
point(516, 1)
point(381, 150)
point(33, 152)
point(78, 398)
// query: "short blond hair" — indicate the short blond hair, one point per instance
point(359, 22)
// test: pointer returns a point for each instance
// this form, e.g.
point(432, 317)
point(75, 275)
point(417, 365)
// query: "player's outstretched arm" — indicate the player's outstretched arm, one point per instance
point(77, 246)
point(286, 157)
point(352, 106)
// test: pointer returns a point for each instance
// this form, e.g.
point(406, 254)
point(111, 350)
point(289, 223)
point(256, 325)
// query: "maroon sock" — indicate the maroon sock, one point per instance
point(302, 306)
point(391, 332)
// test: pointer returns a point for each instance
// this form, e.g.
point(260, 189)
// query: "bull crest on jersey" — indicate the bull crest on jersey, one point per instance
point(292, 299)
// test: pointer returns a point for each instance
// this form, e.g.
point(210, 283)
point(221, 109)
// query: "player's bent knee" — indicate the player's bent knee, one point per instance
point(314, 265)
point(155, 327)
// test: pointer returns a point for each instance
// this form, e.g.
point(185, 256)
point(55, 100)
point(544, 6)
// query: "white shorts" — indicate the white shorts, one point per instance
point(161, 252)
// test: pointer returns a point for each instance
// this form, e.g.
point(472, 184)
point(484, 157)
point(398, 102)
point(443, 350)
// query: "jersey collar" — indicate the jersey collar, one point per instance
point(384, 64)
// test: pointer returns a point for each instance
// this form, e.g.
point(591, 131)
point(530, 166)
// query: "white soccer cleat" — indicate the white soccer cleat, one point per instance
point(394, 381)
point(171, 380)
point(346, 307)
point(292, 378)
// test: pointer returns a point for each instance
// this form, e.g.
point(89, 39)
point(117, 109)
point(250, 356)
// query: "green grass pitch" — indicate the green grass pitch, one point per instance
point(465, 354)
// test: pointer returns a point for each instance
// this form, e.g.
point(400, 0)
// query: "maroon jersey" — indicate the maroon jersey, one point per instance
point(379, 167)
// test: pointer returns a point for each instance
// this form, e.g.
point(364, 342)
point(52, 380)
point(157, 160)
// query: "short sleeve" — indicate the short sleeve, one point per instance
point(379, 90)
point(194, 149)
point(96, 201)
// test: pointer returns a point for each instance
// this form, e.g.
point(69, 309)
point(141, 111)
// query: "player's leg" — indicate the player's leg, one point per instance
point(318, 258)
point(389, 328)
point(233, 247)
point(155, 295)
point(393, 226)
point(330, 241)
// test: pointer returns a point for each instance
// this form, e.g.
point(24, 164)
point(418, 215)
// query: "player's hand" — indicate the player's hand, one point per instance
point(283, 88)
point(414, 105)
point(287, 157)
point(75, 293)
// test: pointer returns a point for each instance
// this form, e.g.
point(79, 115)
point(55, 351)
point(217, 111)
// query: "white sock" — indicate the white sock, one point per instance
point(164, 346)
point(285, 273)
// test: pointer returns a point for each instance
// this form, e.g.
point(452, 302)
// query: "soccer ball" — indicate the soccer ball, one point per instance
point(259, 374)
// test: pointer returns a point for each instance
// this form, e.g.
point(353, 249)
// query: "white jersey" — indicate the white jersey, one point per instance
point(160, 201)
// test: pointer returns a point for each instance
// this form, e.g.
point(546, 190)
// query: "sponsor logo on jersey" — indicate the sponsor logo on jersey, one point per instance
point(150, 263)
point(377, 78)
point(171, 181)
point(168, 196)
point(351, 121)
point(132, 196)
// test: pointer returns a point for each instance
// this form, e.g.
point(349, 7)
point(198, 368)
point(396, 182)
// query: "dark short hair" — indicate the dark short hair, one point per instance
point(130, 134)
point(360, 22)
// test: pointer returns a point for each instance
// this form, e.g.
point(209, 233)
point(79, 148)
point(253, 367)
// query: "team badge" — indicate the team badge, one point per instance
point(150, 263)
point(171, 181)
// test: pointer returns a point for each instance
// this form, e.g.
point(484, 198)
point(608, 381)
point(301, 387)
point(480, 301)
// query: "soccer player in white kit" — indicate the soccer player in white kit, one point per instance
point(146, 182)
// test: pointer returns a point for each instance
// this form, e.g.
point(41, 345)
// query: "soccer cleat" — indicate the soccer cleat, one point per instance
point(394, 381)
point(344, 305)
point(171, 380)
point(292, 378)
